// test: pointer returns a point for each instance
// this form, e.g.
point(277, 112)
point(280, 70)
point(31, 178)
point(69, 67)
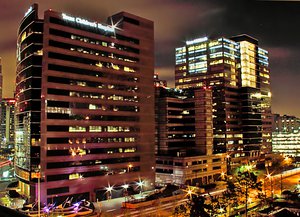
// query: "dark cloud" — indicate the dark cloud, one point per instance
point(275, 24)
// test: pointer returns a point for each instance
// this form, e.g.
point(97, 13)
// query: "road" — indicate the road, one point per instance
point(288, 183)
point(113, 207)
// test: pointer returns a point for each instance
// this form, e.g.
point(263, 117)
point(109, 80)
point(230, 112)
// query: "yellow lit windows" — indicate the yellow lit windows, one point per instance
point(215, 55)
point(115, 97)
point(116, 67)
point(191, 48)
point(35, 175)
point(39, 52)
point(216, 62)
point(129, 150)
point(77, 129)
point(213, 43)
point(92, 106)
point(129, 139)
point(200, 47)
point(23, 36)
point(248, 64)
point(128, 69)
point(229, 62)
point(113, 129)
point(75, 176)
point(99, 64)
point(95, 129)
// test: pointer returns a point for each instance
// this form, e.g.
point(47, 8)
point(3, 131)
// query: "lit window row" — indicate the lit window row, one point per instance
point(110, 129)
point(104, 43)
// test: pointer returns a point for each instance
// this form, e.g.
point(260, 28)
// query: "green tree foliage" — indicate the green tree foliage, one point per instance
point(195, 207)
point(243, 189)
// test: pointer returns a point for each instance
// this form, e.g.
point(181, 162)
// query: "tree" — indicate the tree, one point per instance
point(244, 188)
point(198, 206)
point(195, 207)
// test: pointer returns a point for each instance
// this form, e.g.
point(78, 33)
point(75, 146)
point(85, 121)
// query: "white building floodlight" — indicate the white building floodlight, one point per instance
point(197, 40)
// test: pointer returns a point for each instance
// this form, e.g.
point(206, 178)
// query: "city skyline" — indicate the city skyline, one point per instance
point(212, 18)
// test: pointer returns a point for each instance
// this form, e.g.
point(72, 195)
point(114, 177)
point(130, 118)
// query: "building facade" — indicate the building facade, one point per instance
point(286, 135)
point(7, 130)
point(1, 79)
point(237, 71)
point(285, 123)
point(184, 138)
point(85, 105)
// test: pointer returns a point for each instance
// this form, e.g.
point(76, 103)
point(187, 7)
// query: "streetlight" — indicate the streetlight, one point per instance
point(109, 190)
point(39, 190)
point(140, 184)
point(223, 176)
point(190, 191)
point(129, 167)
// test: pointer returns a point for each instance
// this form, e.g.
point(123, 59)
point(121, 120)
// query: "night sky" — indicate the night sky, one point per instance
point(275, 24)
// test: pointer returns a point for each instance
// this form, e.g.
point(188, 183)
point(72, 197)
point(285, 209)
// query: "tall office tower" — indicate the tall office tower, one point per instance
point(85, 105)
point(7, 127)
point(255, 95)
point(184, 138)
point(237, 71)
point(1, 79)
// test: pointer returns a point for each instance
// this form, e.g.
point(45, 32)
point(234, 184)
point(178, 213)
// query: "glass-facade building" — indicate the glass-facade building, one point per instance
point(237, 71)
point(7, 127)
point(84, 105)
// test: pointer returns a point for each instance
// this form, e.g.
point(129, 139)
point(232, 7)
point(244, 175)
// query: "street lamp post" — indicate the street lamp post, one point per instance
point(108, 191)
point(140, 184)
point(129, 167)
point(39, 190)
point(125, 187)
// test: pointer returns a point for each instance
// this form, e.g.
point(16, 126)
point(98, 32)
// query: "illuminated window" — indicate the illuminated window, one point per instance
point(74, 176)
point(77, 129)
point(95, 129)
point(128, 69)
point(99, 64)
point(23, 36)
point(92, 106)
point(116, 67)
point(129, 150)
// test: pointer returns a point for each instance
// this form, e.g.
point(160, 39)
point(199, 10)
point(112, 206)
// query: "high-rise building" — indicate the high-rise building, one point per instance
point(7, 127)
point(184, 138)
point(1, 79)
point(237, 71)
point(85, 105)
